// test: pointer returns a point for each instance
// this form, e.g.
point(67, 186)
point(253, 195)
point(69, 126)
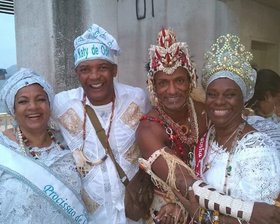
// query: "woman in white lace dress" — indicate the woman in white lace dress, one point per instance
point(38, 179)
point(233, 156)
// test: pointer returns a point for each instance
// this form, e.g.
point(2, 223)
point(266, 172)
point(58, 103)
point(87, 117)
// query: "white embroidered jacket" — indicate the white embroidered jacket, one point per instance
point(102, 183)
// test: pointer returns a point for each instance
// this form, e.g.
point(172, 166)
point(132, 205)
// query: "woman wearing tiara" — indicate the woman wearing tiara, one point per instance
point(233, 156)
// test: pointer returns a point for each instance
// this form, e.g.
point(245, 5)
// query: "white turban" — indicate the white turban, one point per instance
point(95, 43)
point(24, 77)
point(247, 90)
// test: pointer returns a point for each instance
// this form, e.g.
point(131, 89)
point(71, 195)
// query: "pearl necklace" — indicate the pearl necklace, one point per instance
point(29, 150)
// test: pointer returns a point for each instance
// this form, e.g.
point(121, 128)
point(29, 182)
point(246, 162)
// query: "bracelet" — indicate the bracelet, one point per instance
point(201, 215)
point(238, 208)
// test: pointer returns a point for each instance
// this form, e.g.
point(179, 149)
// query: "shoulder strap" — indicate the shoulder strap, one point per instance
point(103, 139)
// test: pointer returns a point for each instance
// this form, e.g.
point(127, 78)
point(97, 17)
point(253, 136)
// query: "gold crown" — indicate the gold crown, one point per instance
point(227, 54)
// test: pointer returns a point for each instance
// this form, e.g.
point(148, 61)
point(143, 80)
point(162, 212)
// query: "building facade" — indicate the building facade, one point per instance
point(45, 31)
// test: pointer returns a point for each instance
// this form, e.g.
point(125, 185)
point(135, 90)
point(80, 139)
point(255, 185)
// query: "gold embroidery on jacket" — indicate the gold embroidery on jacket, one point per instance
point(71, 121)
point(132, 154)
point(132, 115)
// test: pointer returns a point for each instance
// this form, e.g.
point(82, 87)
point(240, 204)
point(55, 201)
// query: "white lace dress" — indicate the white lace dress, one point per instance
point(267, 126)
point(19, 203)
point(255, 168)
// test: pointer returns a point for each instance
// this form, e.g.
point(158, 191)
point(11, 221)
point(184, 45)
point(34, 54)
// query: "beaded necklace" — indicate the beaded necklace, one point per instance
point(182, 143)
point(215, 215)
point(88, 161)
point(27, 149)
point(208, 164)
point(239, 131)
point(188, 134)
point(231, 153)
point(177, 146)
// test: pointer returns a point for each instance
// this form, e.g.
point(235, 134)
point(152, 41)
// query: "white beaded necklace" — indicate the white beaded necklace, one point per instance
point(20, 140)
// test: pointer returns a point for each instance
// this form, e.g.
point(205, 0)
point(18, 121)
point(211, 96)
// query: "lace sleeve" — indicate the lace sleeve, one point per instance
point(257, 170)
point(266, 126)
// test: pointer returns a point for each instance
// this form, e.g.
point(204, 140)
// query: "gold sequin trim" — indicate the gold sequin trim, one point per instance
point(132, 115)
point(132, 154)
point(71, 121)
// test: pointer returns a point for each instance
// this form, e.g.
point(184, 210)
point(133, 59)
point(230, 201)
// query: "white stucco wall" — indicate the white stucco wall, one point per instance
point(101, 12)
point(192, 21)
point(45, 31)
point(260, 23)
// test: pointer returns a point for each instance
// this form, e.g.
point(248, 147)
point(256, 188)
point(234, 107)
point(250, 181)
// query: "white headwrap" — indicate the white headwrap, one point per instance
point(95, 43)
point(247, 92)
point(24, 77)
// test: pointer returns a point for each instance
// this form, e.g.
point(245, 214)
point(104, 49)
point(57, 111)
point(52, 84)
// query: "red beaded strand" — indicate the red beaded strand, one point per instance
point(29, 147)
point(177, 145)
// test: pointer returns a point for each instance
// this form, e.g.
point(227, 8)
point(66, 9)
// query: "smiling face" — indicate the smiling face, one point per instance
point(32, 109)
point(96, 77)
point(172, 90)
point(224, 103)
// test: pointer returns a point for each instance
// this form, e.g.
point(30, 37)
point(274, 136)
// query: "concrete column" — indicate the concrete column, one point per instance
point(45, 32)
point(35, 36)
point(67, 25)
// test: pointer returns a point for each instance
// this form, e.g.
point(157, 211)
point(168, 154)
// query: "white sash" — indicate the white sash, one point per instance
point(48, 184)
